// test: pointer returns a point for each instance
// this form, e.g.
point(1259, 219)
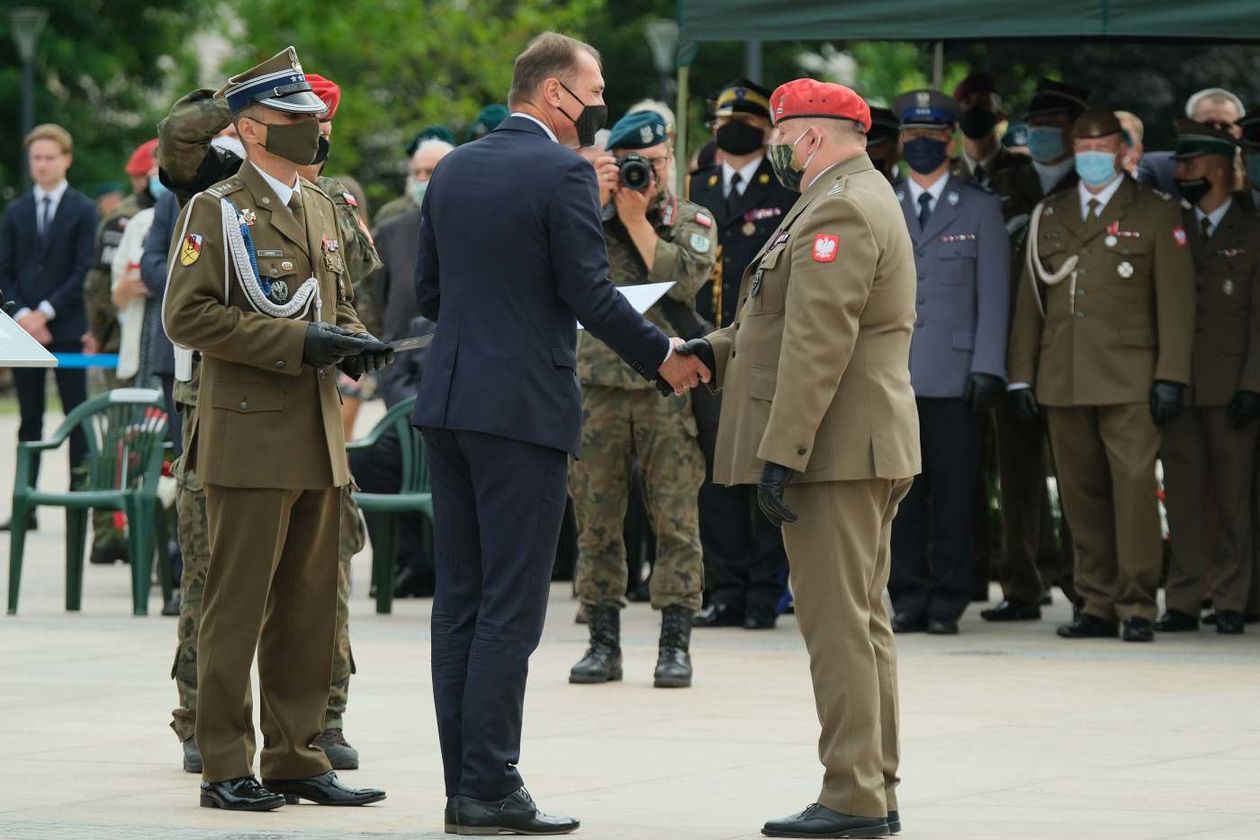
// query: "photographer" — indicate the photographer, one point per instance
point(652, 236)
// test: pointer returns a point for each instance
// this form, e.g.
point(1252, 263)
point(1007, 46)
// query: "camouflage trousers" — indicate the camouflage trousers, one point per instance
point(618, 425)
point(194, 545)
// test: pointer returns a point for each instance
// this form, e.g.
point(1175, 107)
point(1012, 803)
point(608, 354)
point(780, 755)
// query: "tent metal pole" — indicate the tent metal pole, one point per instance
point(681, 119)
point(752, 60)
point(938, 64)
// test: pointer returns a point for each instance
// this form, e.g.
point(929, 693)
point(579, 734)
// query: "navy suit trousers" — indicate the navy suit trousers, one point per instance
point(498, 504)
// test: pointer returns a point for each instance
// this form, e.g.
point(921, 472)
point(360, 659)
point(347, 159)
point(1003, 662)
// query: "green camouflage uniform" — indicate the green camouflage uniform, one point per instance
point(623, 416)
point(188, 159)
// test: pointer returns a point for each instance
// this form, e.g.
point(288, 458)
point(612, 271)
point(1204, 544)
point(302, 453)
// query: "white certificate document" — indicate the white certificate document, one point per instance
point(642, 296)
point(18, 349)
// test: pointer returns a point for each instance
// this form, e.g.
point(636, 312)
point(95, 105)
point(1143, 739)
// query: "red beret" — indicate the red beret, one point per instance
point(812, 98)
point(327, 90)
point(142, 159)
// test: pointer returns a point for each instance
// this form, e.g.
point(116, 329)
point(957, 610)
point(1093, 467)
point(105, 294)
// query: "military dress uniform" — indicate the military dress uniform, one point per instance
point(815, 377)
point(624, 417)
point(1209, 451)
point(962, 260)
point(743, 553)
point(1117, 318)
point(273, 519)
point(190, 163)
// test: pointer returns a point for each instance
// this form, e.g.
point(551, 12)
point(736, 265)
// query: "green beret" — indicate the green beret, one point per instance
point(487, 120)
point(638, 131)
point(433, 132)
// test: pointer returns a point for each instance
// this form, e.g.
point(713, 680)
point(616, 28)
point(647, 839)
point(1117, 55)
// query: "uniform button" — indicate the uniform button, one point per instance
point(1084, 252)
point(1082, 271)
point(265, 200)
point(920, 278)
point(244, 405)
point(800, 450)
point(1080, 314)
point(922, 299)
point(280, 365)
point(918, 324)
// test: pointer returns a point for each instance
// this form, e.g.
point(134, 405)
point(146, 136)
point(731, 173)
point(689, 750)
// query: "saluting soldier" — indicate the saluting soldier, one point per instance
point(1209, 450)
point(1027, 526)
point(957, 364)
point(819, 413)
point(744, 557)
point(652, 237)
point(268, 333)
point(1103, 334)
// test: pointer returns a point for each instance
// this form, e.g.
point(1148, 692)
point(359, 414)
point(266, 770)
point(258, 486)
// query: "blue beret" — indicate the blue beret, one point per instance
point(638, 131)
point(926, 109)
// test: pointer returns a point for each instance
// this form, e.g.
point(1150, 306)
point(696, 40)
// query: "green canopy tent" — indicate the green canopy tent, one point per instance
point(1235, 21)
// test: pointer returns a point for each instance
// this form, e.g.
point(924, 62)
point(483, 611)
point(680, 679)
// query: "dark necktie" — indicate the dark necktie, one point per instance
point(732, 197)
point(1091, 213)
point(925, 209)
point(44, 216)
point(981, 177)
point(295, 206)
point(1205, 231)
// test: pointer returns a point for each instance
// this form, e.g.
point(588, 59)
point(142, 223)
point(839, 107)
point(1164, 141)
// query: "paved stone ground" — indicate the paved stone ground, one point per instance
point(1007, 731)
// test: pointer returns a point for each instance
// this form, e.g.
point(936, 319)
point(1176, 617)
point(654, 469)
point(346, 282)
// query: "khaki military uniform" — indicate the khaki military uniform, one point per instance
point(1208, 462)
point(623, 416)
point(1123, 319)
point(274, 518)
point(815, 376)
point(390, 209)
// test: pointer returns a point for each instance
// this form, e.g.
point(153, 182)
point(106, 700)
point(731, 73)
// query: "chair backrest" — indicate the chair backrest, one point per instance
point(414, 468)
point(126, 437)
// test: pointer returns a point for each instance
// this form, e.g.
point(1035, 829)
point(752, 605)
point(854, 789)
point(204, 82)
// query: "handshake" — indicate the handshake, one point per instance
point(690, 364)
point(354, 353)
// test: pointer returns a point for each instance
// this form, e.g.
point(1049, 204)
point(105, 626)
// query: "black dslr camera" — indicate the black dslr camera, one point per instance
point(636, 172)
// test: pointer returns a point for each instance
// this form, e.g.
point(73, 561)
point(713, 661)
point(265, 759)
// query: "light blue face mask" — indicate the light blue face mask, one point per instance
point(1253, 170)
point(156, 188)
point(416, 189)
point(1045, 143)
point(1096, 168)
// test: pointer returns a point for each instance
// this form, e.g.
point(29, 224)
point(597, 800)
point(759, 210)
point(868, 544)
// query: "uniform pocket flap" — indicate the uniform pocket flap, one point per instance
point(762, 382)
point(964, 341)
point(276, 266)
point(1136, 338)
point(771, 259)
point(965, 250)
point(564, 357)
point(247, 398)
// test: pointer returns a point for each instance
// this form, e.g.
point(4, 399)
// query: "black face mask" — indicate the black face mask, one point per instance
point(740, 138)
point(977, 123)
point(1193, 189)
point(588, 122)
point(325, 147)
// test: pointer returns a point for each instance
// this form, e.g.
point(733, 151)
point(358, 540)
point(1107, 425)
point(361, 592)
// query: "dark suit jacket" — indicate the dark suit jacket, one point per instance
point(32, 270)
point(1159, 169)
point(511, 253)
point(395, 281)
point(153, 273)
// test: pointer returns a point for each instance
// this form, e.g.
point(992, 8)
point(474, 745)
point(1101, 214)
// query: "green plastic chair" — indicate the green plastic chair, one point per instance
point(126, 443)
point(380, 509)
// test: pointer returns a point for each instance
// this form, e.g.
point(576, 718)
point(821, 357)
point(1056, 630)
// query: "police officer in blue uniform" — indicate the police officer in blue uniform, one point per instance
point(743, 553)
point(957, 363)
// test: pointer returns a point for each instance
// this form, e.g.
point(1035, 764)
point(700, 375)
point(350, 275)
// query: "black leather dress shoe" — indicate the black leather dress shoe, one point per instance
point(894, 822)
point(906, 623)
point(448, 816)
point(192, 757)
point(718, 614)
point(1138, 630)
point(1175, 621)
point(1230, 623)
point(1011, 609)
point(323, 789)
point(820, 821)
point(1086, 626)
point(514, 814)
point(943, 627)
point(243, 794)
point(759, 618)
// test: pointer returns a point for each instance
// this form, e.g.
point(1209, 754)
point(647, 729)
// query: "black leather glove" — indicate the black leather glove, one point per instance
point(698, 347)
point(328, 344)
point(1023, 404)
point(1165, 401)
point(980, 390)
point(10, 306)
point(774, 478)
point(375, 355)
point(1244, 408)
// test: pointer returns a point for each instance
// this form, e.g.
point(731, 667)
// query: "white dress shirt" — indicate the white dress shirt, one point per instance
point(746, 174)
point(934, 190)
point(1103, 196)
point(1052, 173)
point(1214, 218)
point(282, 190)
point(540, 123)
point(55, 194)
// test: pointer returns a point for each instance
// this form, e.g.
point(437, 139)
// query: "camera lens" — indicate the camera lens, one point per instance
point(636, 172)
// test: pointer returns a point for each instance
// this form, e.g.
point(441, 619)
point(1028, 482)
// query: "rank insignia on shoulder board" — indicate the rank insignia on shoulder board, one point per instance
point(190, 251)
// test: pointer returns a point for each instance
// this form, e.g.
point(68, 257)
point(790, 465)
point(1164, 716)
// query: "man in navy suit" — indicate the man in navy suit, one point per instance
point(511, 255)
point(46, 244)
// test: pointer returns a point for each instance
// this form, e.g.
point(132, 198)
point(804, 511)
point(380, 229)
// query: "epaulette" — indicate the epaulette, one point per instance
point(224, 188)
point(838, 186)
point(983, 188)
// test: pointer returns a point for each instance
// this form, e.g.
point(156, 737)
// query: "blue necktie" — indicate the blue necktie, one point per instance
point(43, 216)
point(925, 209)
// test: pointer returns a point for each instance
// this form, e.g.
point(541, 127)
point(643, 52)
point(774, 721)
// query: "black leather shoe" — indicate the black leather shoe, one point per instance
point(820, 821)
point(323, 789)
point(1086, 626)
point(192, 757)
point(31, 523)
point(943, 627)
point(906, 623)
point(894, 822)
point(243, 794)
point(759, 618)
point(109, 552)
point(1138, 630)
point(340, 754)
point(448, 816)
point(718, 614)
point(1011, 609)
point(171, 607)
point(1046, 598)
point(514, 814)
point(1175, 621)
point(1230, 623)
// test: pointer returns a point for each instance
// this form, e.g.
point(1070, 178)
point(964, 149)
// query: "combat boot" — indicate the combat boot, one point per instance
point(340, 754)
point(602, 662)
point(673, 662)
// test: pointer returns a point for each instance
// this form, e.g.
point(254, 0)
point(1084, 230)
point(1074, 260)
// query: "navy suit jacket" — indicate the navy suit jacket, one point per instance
point(53, 269)
point(511, 254)
point(153, 272)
